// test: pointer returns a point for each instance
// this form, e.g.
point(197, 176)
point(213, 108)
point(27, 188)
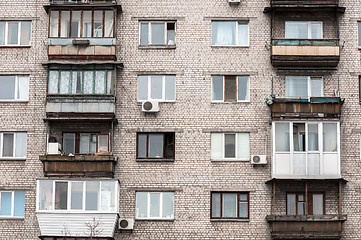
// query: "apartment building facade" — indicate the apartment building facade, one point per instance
point(180, 119)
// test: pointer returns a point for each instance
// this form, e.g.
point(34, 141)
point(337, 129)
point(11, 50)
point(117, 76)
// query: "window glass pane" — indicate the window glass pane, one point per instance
point(109, 26)
point(110, 82)
point(91, 195)
point(103, 143)
point(312, 137)
point(54, 24)
point(19, 203)
point(317, 204)
point(243, 209)
point(76, 82)
point(108, 196)
point(141, 204)
point(171, 33)
point(156, 84)
point(20, 146)
point(316, 87)
point(23, 87)
point(87, 23)
point(158, 33)
point(169, 146)
point(13, 32)
point(230, 145)
point(69, 143)
point(155, 147)
point(216, 205)
point(299, 137)
point(316, 30)
point(330, 137)
point(53, 85)
point(88, 82)
point(98, 24)
point(243, 88)
point(243, 34)
point(359, 33)
point(100, 82)
point(142, 87)
point(61, 195)
point(223, 33)
point(168, 205)
point(144, 28)
point(296, 86)
point(84, 143)
point(75, 24)
point(301, 208)
point(142, 145)
point(8, 148)
point(2, 33)
point(77, 195)
point(217, 87)
point(229, 206)
point(64, 82)
point(7, 89)
point(25, 33)
point(230, 90)
point(93, 143)
point(296, 30)
point(291, 204)
point(282, 136)
point(154, 205)
point(169, 87)
point(65, 24)
point(5, 207)
point(216, 145)
point(45, 195)
point(243, 145)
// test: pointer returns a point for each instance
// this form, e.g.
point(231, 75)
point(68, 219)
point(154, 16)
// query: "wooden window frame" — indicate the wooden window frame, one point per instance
point(237, 210)
point(165, 135)
point(77, 141)
point(308, 202)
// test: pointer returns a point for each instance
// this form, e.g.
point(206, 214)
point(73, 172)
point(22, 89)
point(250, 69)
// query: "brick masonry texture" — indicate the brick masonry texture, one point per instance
point(192, 116)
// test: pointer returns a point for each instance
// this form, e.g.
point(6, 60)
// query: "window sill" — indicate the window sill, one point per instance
point(13, 101)
point(229, 160)
point(12, 159)
point(157, 47)
point(155, 219)
point(229, 46)
point(235, 102)
point(15, 46)
point(229, 220)
point(12, 218)
point(140, 102)
point(154, 160)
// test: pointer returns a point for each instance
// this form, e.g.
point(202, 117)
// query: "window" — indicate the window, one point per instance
point(233, 146)
point(155, 146)
point(81, 82)
point(157, 33)
point(13, 145)
point(92, 195)
point(82, 24)
point(230, 33)
point(229, 205)
point(230, 88)
point(14, 33)
point(12, 204)
point(303, 86)
point(154, 205)
point(303, 30)
point(359, 34)
point(160, 88)
point(84, 143)
point(296, 204)
point(14, 88)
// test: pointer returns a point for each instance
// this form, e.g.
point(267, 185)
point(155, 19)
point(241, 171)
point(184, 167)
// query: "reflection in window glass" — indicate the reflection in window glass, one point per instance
point(92, 195)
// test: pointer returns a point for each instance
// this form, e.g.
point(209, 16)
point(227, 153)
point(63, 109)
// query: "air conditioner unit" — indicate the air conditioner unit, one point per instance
point(150, 106)
point(234, 1)
point(258, 159)
point(54, 148)
point(126, 224)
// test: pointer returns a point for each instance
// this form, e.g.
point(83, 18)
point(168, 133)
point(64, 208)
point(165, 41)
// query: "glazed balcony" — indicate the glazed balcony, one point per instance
point(314, 107)
point(315, 53)
point(306, 226)
point(304, 3)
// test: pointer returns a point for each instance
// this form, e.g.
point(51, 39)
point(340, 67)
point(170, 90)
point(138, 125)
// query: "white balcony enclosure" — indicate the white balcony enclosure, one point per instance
point(306, 150)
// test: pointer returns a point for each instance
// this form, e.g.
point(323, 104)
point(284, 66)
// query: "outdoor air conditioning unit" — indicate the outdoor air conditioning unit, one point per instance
point(126, 224)
point(234, 1)
point(150, 106)
point(258, 159)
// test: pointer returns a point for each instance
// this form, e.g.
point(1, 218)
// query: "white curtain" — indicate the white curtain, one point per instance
point(243, 145)
point(224, 33)
point(296, 86)
point(329, 137)
point(282, 135)
point(296, 30)
point(216, 145)
point(23, 87)
point(316, 87)
point(243, 88)
point(109, 24)
point(243, 34)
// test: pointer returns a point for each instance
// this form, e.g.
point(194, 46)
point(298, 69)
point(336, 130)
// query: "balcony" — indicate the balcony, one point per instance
point(314, 107)
point(306, 226)
point(82, 2)
point(305, 53)
point(304, 3)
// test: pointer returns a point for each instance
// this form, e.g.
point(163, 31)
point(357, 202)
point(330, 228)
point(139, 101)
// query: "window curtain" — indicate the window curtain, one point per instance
point(316, 87)
point(316, 30)
point(20, 146)
point(296, 86)
point(224, 33)
point(312, 137)
point(329, 137)
point(2, 33)
point(296, 30)
point(243, 145)
point(216, 145)
point(243, 88)
point(109, 24)
point(282, 137)
point(243, 34)
point(23, 88)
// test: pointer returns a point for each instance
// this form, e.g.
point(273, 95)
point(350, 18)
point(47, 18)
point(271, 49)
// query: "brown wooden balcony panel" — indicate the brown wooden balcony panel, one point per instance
point(306, 227)
point(80, 52)
point(305, 3)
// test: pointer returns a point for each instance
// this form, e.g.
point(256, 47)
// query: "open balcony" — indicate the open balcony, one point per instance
point(312, 108)
point(304, 3)
point(316, 53)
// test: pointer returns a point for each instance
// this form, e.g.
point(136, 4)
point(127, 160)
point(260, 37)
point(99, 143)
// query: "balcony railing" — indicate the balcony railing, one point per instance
point(304, 3)
point(82, 1)
point(305, 42)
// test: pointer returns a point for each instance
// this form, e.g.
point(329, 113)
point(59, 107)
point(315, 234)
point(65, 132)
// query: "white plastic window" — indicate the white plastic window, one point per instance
point(160, 88)
point(233, 146)
point(230, 33)
point(304, 86)
point(13, 145)
point(303, 30)
point(154, 205)
point(230, 89)
point(15, 33)
point(14, 88)
point(12, 204)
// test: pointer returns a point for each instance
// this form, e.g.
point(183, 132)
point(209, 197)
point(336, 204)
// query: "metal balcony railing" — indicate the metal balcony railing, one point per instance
point(306, 42)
